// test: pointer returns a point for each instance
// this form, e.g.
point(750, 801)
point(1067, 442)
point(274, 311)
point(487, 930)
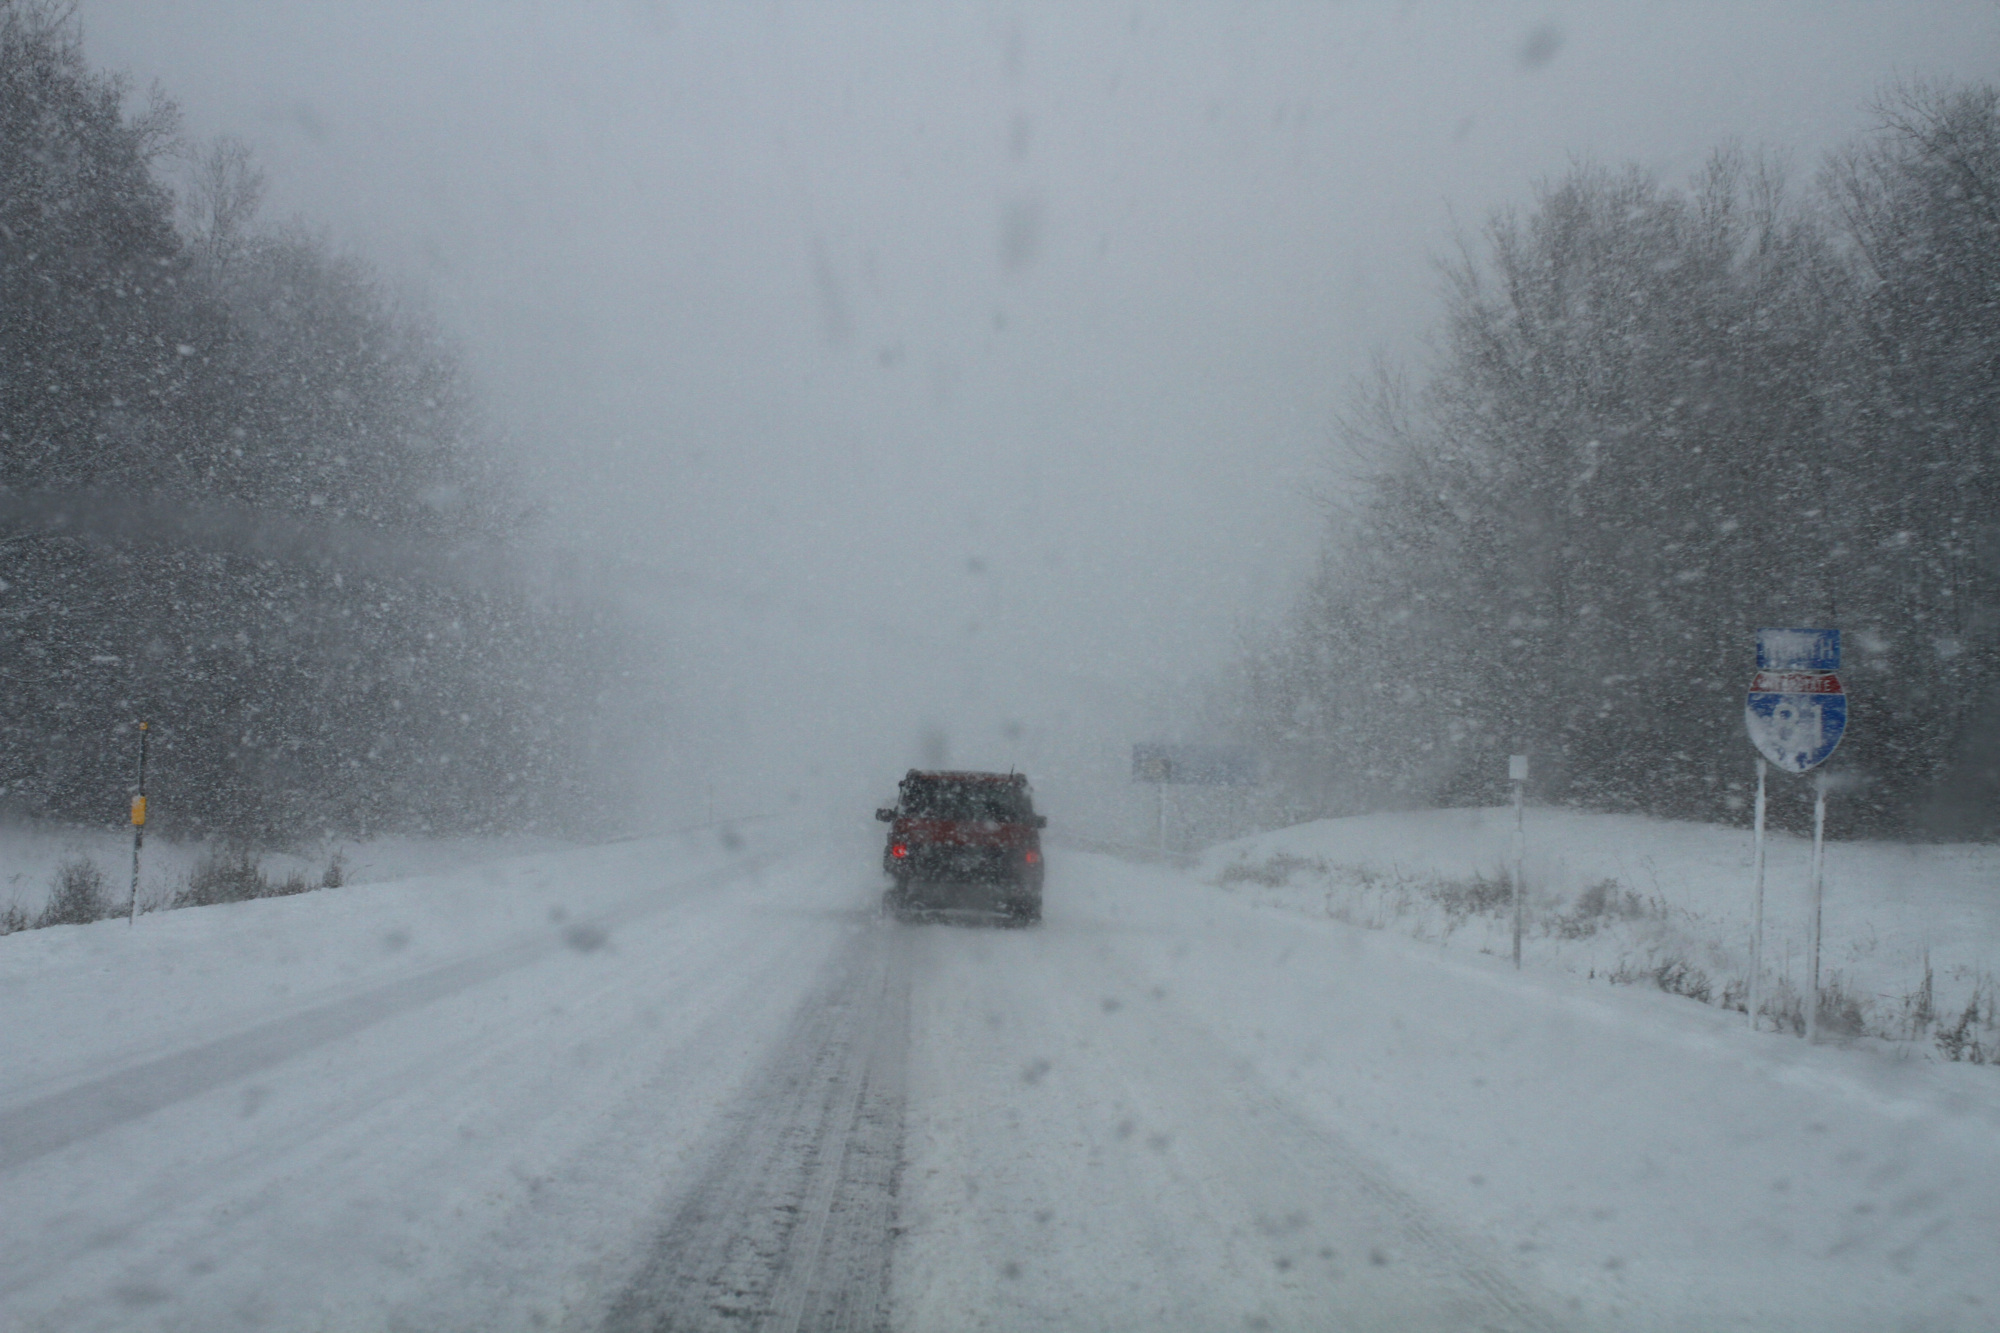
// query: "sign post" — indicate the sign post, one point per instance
point(1151, 763)
point(1818, 896)
point(1756, 1000)
point(1796, 713)
point(138, 826)
point(1189, 765)
point(1517, 773)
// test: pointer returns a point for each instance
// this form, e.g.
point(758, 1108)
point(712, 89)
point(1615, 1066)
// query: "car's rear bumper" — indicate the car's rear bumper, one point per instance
point(964, 865)
point(978, 895)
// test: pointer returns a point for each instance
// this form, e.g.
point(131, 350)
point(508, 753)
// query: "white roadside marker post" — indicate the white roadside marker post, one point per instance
point(1756, 1000)
point(1517, 773)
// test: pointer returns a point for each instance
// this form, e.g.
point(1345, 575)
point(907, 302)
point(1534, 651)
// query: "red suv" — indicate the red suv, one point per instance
point(965, 841)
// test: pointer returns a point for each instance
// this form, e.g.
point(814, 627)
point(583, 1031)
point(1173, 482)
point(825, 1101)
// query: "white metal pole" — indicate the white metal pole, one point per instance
point(1160, 828)
point(1757, 908)
point(1520, 858)
point(1818, 883)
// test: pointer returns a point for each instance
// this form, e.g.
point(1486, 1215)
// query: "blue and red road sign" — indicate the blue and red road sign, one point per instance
point(1796, 710)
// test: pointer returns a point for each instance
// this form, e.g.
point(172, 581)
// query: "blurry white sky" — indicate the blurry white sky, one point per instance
point(962, 365)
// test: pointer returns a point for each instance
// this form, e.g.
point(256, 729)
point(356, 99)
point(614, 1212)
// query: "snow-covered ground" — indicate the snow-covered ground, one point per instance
point(1661, 902)
point(678, 1083)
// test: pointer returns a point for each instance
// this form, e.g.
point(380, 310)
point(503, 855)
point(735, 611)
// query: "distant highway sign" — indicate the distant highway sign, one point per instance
point(1194, 765)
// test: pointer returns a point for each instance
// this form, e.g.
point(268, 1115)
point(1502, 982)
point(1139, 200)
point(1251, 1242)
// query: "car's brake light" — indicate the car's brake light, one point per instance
point(899, 849)
point(1032, 856)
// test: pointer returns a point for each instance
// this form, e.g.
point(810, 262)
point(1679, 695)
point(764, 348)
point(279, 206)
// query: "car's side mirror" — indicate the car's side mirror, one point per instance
point(1041, 821)
point(886, 816)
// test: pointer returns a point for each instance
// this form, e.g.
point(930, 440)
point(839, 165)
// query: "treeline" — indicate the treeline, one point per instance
point(245, 495)
point(1657, 419)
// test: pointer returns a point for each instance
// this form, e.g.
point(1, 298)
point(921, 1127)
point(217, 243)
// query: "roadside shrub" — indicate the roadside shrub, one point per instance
point(1681, 977)
point(229, 875)
point(1841, 1013)
point(236, 874)
point(78, 895)
point(1673, 974)
point(1274, 873)
point(1478, 896)
point(1677, 976)
point(1785, 1007)
point(1920, 1005)
point(1602, 902)
point(1961, 1042)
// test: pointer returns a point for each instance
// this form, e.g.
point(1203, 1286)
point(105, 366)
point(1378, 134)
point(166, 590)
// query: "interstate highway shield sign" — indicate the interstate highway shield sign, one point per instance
point(1796, 710)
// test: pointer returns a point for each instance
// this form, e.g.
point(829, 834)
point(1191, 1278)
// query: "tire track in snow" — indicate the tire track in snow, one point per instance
point(792, 1224)
point(51, 1123)
point(1089, 1153)
point(1308, 1178)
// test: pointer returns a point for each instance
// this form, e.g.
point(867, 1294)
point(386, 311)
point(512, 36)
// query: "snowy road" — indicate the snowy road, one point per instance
point(790, 1222)
point(639, 1088)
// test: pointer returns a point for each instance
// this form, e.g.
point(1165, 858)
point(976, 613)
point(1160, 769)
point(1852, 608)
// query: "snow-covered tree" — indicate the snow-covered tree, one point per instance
point(247, 496)
point(1657, 419)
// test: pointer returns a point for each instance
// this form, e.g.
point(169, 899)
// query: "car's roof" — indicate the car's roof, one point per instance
point(949, 775)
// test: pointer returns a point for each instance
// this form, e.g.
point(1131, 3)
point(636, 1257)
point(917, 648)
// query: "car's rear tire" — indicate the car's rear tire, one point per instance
point(896, 899)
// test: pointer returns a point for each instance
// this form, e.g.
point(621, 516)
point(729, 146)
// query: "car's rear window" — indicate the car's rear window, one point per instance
point(965, 800)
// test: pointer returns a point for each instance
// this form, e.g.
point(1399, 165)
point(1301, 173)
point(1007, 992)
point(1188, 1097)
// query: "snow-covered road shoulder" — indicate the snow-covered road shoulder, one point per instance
point(454, 1102)
point(85, 999)
point(1911, 958)
point(1651, 1161)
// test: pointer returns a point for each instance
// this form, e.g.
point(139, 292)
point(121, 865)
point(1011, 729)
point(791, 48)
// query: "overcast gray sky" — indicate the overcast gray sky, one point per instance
point(962, 366)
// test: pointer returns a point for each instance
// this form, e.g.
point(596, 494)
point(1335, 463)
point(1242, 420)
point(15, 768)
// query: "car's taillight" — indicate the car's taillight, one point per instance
point(1031, 856)
point(899, 849)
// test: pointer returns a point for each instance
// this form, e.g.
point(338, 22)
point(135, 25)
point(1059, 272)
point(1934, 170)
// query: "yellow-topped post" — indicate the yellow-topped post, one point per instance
point(138, 824)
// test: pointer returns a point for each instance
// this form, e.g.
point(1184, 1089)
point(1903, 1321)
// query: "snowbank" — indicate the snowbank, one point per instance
point(104, 994)
point(31, 855)
point(1626, 898)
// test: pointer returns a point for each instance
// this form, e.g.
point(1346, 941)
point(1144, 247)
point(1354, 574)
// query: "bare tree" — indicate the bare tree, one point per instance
point(225, 188)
